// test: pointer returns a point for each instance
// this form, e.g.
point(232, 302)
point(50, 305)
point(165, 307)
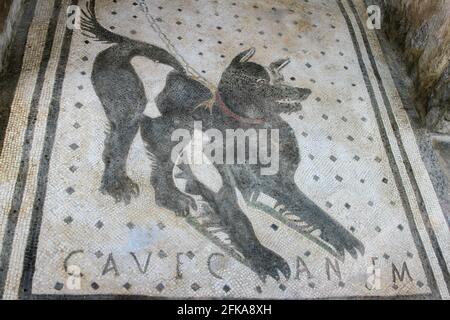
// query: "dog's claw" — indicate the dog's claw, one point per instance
point(135, 190)
point(286, 271)
point(262, 278)
point(353, 253)
point(342, 240)
point(274, 274)
point(176, 202)
point(121, 189)
point(183, 213)
point(360, 248)
point(277, 205)
point(267, 263)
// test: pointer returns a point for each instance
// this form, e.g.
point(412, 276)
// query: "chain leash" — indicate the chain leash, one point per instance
point(172, 50)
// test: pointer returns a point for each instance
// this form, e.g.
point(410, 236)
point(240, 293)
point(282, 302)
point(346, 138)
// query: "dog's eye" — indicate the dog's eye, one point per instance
point(261, 81)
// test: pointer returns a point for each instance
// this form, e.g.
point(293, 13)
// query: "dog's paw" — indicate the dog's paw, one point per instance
point(342, 240)
point(267, 263)
point(176, 202)
point(122, 189)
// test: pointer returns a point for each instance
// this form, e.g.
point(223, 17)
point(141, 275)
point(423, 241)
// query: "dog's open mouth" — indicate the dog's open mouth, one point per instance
point(290, 105)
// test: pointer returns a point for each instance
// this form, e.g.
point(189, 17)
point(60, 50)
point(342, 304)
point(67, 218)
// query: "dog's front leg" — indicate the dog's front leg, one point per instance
point(297, 203)
point(263, 261)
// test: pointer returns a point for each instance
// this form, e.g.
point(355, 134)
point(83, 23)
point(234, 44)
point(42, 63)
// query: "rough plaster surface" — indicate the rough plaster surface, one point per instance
point(11, 13)
point(359, 162)
point(4, 9)
point(422, 30)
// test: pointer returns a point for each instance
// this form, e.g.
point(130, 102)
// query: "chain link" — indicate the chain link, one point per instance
point(171, 48)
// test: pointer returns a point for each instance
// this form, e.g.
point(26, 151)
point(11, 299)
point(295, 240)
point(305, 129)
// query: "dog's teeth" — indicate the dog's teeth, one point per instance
point(288, 101)
point(316, 233)
point(215, 229)
point(239, 253)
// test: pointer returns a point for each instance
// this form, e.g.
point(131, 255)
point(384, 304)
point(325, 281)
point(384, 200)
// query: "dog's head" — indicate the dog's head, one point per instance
point(257, 90)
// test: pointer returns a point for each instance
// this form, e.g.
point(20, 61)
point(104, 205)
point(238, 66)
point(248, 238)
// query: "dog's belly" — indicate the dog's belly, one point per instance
point(151, 110)
point(152, 81)
point(200, 166)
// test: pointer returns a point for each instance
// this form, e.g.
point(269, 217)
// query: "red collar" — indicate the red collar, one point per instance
point(233, 115)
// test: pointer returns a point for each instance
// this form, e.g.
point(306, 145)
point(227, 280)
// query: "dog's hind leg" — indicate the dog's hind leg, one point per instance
point(123, 98)
point(167, 195)
point(157, 133)
point(115, 180)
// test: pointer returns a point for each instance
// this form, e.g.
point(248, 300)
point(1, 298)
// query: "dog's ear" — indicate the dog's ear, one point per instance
point(244, 56)
point(279, 64)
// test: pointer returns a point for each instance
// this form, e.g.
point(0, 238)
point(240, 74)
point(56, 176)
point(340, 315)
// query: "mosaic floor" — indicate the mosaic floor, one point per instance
point(67, 233)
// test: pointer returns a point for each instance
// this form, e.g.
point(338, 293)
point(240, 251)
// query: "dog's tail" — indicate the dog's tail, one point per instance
point(93, 29)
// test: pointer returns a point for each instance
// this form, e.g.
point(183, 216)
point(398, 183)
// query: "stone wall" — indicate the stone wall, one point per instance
point(422, 30)
point(9, 14)
point(4, 9)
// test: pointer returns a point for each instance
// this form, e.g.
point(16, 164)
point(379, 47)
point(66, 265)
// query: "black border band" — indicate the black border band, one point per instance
point(21, 181)
point(50, 135)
